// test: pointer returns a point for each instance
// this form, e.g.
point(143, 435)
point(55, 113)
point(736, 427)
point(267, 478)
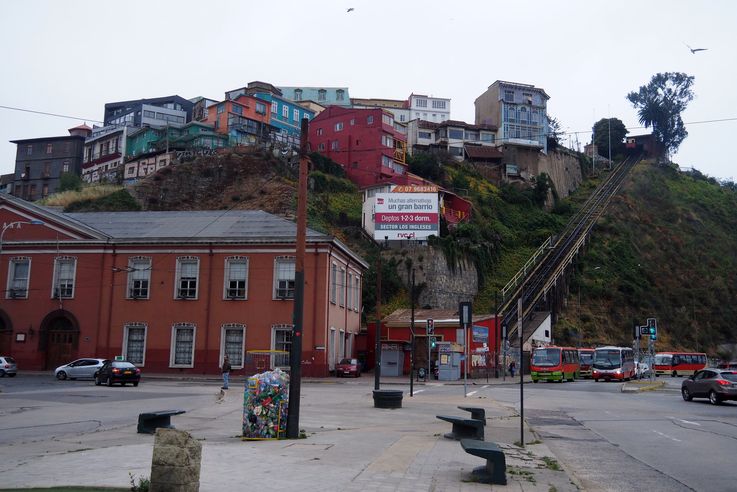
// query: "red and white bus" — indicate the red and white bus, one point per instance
point(614, 363)
point(586, 360)
point(554, 364)
point(678, 363)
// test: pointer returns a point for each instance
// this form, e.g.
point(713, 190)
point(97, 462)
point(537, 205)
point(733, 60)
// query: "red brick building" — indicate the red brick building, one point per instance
point(170, 291)
point(365, 142)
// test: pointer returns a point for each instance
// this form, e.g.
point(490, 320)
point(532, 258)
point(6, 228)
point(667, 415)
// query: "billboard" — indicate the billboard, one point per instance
point(400, 216)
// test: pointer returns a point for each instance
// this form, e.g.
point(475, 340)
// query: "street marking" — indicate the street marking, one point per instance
point(484, 386)
point(472, 393)
point(418, 391)
point(689, 422)
point(667, 436)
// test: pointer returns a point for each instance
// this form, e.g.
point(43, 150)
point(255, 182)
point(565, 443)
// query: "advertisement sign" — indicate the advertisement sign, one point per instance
point(406, 216)
point(480, 334)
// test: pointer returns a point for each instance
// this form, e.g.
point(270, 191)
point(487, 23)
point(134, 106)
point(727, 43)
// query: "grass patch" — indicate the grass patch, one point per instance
point(551, 464)
point(519, 472)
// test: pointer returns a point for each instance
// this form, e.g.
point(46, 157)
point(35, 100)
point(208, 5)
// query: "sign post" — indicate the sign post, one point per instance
point(465, 314)
point(430, 332)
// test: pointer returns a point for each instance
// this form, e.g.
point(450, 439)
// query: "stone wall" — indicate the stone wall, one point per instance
point(441, 288)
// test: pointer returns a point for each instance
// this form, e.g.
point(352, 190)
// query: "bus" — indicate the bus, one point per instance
point(678, 363)
point(554, 364)
point(614, 363)
point(586, 359)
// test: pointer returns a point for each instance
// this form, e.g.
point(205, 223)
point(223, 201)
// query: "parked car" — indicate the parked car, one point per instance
point(715, 384)
point(642, 370)
point(117, 371)
point(8, 366)
point(348, 367)
point(728, 365)
point(80, 368)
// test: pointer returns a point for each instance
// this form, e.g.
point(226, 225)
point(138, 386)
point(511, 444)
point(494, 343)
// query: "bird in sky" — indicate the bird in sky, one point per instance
point(350, 10)
point(694, 50)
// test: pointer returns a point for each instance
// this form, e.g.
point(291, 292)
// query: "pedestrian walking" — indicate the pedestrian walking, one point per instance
point(226, 372)
point(512, 367)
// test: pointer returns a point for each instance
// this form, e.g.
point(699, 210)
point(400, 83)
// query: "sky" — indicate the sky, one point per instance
point(71, 57)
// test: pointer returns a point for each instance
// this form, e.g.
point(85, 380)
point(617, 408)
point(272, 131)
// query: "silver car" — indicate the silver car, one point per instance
point(7, 366)
point(80, 368)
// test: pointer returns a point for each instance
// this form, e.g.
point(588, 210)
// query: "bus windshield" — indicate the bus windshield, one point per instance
point(586, 357)
point(663, 360)
point(546, 357)
point(607, 359)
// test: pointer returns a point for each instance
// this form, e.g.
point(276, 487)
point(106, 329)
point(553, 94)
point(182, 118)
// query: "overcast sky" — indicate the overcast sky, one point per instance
point(71, 57)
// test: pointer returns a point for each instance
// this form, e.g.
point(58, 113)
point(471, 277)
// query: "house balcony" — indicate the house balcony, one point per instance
point(101, 159)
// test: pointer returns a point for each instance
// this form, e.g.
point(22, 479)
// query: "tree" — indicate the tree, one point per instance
point(607, 129)
point(554, 132)
point(70, 182)
point(660, 103)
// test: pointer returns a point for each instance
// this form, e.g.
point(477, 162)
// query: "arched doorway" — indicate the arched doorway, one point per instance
point(6, 334)
point(59, 338)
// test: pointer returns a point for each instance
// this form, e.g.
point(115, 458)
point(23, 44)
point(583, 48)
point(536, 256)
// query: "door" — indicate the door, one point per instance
point(60, 347)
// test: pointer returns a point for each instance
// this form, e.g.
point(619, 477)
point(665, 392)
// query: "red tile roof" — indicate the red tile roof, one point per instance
point(482, 152)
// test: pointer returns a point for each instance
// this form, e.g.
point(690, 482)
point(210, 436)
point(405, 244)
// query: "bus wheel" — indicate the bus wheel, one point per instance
point(596, 380)
point(674, 374)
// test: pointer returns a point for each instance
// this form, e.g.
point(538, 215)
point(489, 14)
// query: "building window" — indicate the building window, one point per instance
point(134, 343)
point(260, 108)
point(421, 103)
point(438, 104)
point(45, 191)
point(284, 277)
point(221, 109)
point(187, 273)
point(296, 114)
point(19, 272)
point(285, 111)
point(334, 145)
point(425, 135)
point(64, 273)
point(274, 107)
point(29, 149)
point(139, 277)
point(282, 341)
point(322, 95)
point(297, 94)
point(334, 283)
point(357, 292)
point(236, 277)
point(349, 290)
point(527, 97)
point(455, 133)
point(340, 95)
point(149, 114)
point(402, 118)
point(387, 119)
point(387, 141)
point(319, 132)
point(341, 288)
point(339, 126)
point(321, 146)
point(353, 121)
point(509, 96)
point(233, 336)
point(182, 345)
point(237, 109)
point(49, 148)
point(387, 161)
point(487, 137)
point(370, 120)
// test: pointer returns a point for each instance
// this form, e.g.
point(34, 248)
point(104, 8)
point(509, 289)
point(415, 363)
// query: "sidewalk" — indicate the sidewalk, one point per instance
point(350, 446)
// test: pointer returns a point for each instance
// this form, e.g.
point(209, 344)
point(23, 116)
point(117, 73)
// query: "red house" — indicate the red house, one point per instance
point(170, 291)
point(363, 141)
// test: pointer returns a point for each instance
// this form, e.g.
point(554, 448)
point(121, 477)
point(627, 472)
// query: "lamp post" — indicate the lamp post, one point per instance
point(13, 225)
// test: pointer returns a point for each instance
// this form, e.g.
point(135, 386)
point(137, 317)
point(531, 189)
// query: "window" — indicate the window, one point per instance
point(295, 113)
point(341, 288)
point(322, 95)
point(29, 149)
point(19, 274)
point(182, 342)
point(402, 118)
point(282, 340)
point(357, 293)
point(472, 136)
point(274, 107)
point(321, 146)
point(45, 191)
point(64, 272)
point(236, 277)
point(134, 343)
point(370, 120)
point(221, 109)
point(339, 126)
point(319, 131)
point(187, 273)
point(387, 141)
point(149, 114)
point(527, 97)
point(284, 277)
point(387, 161)
point(334, 145)
point(260, 108)
point(421, 103)
point(455, 151)
point(333, 283)
point(387, 119)
point(349, 289)
point(340, 95)
point(233, 336)
point(139, 277)
point(237, 109)
point(438, 104)
point(297, 94)
point(509, 96)
point(49, 148)
point(455, 133)
point(487, 137)
point(426, 135)
point(285, 111)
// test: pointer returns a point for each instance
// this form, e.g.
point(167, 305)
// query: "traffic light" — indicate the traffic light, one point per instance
point(433, 342)
point(635, 331)
point(430, 326)
point(652, 328)
point(644, 331)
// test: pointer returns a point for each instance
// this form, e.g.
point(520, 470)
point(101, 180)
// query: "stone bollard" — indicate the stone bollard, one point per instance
point(175, 466)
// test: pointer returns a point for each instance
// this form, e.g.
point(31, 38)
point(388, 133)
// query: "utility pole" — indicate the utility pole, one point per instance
point(377, 344)
point(295, 353)
point(521, 374)
point(412, 331)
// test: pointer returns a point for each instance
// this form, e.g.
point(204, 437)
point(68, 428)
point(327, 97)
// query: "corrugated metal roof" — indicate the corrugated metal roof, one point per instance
point(231, 225)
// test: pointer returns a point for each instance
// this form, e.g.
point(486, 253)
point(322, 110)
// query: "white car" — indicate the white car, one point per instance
point(80, 368)
point(642, 370)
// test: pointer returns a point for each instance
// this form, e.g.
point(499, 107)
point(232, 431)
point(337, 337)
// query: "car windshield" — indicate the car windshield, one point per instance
point(123, 365)
point(586, 357)
point(348, 362)
point(730, 376)
point(546, 357)
point(607, 359)
point(9, 360)
point(663, 360)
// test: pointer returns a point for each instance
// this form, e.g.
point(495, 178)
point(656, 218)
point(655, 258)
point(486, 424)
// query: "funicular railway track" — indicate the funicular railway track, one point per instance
point(533, 288)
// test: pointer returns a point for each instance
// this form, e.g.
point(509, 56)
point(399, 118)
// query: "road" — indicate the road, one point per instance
point(607, 439)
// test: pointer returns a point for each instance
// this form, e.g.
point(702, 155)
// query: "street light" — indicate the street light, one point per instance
point(18, 223)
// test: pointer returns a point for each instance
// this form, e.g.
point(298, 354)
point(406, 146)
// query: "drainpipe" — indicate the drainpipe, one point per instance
point(110, 301)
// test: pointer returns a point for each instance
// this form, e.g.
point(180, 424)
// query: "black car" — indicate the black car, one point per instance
point(717, 385)
point(118, 371)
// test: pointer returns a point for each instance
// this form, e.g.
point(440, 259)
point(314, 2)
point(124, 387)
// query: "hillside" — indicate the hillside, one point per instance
point(664, 249)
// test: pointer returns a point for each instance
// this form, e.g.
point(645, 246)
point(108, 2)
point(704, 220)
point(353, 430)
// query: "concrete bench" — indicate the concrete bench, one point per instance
point(464, 428)
point(148, 422)
point(477, 413)
point(496, 464)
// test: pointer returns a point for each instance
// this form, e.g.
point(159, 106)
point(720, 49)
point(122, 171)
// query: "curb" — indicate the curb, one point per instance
point(640, 387)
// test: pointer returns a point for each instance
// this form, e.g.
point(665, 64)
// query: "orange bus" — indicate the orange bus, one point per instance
point(678, 363)
point(554, 364)
point(586, 360)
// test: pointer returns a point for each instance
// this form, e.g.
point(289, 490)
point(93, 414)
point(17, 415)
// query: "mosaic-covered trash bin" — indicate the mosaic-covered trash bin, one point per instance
point(265, 405)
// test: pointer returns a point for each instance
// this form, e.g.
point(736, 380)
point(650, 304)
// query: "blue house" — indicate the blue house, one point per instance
point(286, 115)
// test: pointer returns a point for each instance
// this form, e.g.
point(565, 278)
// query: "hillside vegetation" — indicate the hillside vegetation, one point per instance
point(665, 248)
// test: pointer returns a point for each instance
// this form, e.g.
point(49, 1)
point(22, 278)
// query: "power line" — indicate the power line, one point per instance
point(51, 114)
